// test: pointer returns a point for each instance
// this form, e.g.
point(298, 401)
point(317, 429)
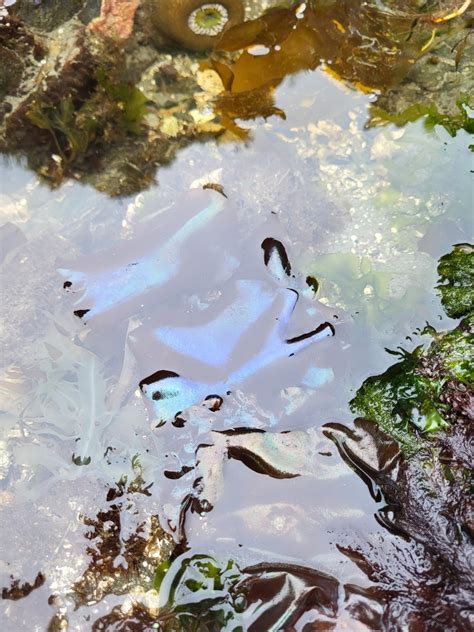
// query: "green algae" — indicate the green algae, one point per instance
point(400, 400)
point(431, 116)
point(71, 138)
point(456, 287)
point(110, 112)
point(410, 396)
point(220, 603)
point(455, 352)
point(347, 277)
point(414, 395)
point(131, 101)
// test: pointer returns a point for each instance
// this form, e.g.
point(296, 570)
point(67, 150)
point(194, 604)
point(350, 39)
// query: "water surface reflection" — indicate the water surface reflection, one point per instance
point(101, 485)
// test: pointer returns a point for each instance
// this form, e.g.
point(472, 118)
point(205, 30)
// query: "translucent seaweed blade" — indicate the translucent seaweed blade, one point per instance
point(214, 342)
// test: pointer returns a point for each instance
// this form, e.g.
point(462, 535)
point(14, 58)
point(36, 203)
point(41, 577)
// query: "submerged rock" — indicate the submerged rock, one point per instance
point(422, 392)
point(425, 405)
point(440, 85)
point(48, 15)
point(426, 584)
point(116, 18)
point(70, 122)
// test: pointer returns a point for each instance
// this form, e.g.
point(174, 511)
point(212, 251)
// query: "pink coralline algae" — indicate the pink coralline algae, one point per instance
point(116, 18)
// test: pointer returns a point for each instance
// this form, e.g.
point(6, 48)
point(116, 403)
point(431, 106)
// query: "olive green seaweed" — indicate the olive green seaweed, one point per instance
point(71, 130)
point(110, 112)
point(462, 120)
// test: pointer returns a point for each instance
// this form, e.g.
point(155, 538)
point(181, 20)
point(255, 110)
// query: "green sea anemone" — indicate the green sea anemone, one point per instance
point(195, 24)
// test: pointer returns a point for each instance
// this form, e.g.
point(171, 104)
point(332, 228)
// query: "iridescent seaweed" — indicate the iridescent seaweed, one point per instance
point(213, 342)
point(111, 287)
point(216, 341)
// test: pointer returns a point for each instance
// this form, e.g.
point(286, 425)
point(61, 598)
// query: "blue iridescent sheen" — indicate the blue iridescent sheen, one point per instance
point(215, 341)
point(110, 288)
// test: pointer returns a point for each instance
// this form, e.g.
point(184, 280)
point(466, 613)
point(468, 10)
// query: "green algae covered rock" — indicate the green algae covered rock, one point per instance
point(456, 286)
point(429, 387)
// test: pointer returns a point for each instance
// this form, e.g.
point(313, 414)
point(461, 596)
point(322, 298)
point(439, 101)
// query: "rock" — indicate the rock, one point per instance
point(116, 18)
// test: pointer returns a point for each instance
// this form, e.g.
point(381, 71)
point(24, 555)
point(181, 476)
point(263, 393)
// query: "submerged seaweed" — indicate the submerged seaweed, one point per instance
point(108, 113)
point(456, 283)
point(66, 427)
point(425, 583)
point(19, 591)
point(206, 593)
point(417, 393)
point(220, 601)
point(126, 542)
point(431, 116)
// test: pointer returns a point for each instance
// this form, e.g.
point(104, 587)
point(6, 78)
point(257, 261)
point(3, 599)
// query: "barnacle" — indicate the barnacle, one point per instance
point(195, 24)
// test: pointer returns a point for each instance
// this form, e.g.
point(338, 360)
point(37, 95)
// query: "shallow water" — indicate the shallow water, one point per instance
point(232, 457)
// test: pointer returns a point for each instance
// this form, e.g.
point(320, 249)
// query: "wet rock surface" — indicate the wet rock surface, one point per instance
point(444, 73)
point(427, 493)
point(427, 583)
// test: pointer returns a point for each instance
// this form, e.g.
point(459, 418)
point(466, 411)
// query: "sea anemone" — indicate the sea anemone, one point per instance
point(195, 24)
